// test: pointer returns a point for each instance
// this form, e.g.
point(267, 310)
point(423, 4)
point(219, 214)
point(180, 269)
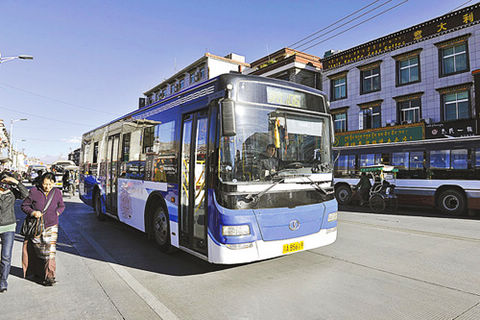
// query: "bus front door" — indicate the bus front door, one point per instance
point(112, 173)
point(193, 193)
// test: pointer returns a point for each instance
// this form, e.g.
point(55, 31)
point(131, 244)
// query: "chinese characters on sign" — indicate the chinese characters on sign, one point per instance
point(383, 135)
point(429, 29)
point(460, 128)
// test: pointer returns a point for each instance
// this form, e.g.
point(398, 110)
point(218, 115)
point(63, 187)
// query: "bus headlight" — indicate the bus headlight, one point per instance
point(332, 216)
point(242, 230)
point(239, 246)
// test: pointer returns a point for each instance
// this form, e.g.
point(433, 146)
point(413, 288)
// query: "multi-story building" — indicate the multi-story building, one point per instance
point(291, 65)
point(207, 67)
point(4, 144)
point(425, 77)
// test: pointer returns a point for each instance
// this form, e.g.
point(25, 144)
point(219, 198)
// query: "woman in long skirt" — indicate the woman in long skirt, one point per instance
point(38, 257)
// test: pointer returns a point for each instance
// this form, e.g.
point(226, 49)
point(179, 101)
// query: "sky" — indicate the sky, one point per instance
point(94, 59)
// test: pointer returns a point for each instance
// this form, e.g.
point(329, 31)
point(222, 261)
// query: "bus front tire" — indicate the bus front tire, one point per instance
point(98, 207)
point(452, 202)
point(161, 229)
point(343, 194)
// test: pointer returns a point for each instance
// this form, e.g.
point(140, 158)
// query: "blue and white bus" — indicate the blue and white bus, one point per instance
point(190, 172)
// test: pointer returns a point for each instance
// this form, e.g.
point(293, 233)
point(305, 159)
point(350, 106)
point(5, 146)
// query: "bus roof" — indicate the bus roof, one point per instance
point(221, 78)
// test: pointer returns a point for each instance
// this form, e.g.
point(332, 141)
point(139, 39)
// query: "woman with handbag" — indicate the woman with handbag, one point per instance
point(10, 189)
point(44, 202)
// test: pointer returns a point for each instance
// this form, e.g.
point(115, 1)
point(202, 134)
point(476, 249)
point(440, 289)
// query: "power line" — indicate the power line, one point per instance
point(461, 5)
point(339, 20)
point(47, 118)
point(365, 13)
point(57, 100)
point(355, 25)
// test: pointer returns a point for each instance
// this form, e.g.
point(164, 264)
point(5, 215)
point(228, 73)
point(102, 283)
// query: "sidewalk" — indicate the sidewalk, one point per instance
point(76, 295)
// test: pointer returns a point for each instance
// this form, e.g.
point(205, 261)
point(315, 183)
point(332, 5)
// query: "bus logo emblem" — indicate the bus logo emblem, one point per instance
point(294, 225)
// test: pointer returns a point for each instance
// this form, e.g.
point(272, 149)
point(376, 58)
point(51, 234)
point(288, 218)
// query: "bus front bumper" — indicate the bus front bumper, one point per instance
point(259, 250)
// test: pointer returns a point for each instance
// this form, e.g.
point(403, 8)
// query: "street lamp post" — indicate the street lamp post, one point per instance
point(22, 56)
point(10, 155)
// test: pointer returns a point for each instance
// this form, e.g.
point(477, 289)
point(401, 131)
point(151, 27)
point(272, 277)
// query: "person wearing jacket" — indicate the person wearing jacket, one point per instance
point(38, 256)
point(10, 189)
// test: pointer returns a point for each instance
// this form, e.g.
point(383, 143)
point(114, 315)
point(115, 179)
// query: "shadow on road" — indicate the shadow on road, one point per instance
point(80, 233)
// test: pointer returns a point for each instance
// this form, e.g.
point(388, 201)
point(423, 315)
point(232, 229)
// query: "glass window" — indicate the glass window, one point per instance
point(148, 139)
point(477, 158)
point(440, 159)
point(182, 83)
point(340, 121)
point(400, 160)
point(164, 140)
point(459, 159)
point(370, 159)
point(408, 70)
point(409, 111)
point(372, 118)
point(339, 88)
point(125, 147)
point(416, 160)
point(202, 73)
point(454, 59)
point(370, 80)
point(456, 106)
point(342, 162)
point(95, 152)
point(351, 162)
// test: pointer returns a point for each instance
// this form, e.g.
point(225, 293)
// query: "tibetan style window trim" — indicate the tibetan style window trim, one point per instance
point(409, 108)
point(456, 57)
point(370, 104)
point(459, 99)
point(370, 116)
point(338, 94)
point(410, 68)
point(370, 65)
point(370, 77)
point(408, 54)
point(453, 41)
point(459, 87)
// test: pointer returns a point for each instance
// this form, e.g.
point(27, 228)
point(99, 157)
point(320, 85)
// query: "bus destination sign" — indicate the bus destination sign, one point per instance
point(285, 97)
point(409, 132)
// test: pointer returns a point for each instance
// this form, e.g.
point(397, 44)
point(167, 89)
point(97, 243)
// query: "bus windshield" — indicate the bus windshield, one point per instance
point(271, 142)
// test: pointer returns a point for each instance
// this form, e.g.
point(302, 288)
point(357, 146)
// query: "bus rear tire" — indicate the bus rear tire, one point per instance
point(160, 228)
point(452, 202)
point(343, 194)
point(97, 205)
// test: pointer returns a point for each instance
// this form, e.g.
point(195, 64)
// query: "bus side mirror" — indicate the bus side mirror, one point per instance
point(228, 117)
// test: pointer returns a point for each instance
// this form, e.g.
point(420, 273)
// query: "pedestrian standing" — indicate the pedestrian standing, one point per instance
point(10, 189)
point(38, 256)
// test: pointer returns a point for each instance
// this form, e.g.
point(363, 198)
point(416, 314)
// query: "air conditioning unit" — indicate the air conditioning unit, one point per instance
point(391, 123)
point(428, 120)
point(408, 121)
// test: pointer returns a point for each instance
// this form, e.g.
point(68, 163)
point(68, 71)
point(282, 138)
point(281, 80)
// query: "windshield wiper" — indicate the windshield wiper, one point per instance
point(255, 197)
point(325, 192)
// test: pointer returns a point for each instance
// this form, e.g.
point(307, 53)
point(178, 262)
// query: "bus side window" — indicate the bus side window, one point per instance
point(477, 158)
point(459, 159)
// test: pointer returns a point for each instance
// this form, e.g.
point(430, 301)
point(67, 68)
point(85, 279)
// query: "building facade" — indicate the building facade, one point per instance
point(425, 77)
point(207, 67)
point(291, 65)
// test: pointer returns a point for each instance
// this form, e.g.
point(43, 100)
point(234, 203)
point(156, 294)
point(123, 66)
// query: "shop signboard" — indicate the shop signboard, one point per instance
point(408, 132)
point(451, 129)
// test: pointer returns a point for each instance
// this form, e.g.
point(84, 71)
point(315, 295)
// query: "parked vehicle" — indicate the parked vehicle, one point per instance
point(32, 171)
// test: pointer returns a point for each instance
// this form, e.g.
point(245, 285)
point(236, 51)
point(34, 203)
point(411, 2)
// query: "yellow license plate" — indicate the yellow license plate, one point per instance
point(292, 247)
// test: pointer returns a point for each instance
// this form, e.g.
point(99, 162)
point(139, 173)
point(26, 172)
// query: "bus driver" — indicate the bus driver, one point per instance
point(268, 162)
